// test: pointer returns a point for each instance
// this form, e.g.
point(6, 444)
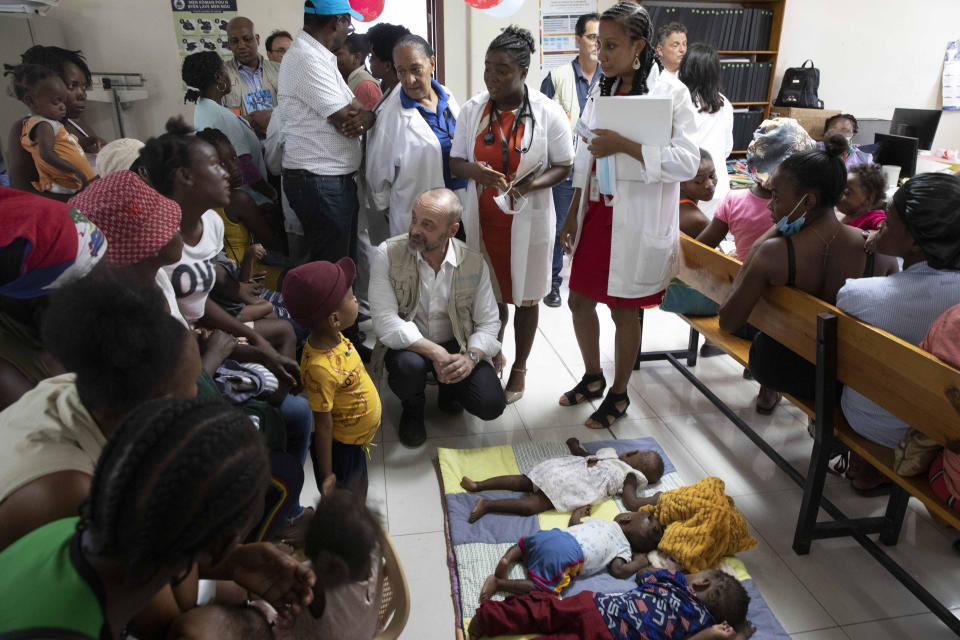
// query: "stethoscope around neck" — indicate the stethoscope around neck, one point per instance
point(489, 139)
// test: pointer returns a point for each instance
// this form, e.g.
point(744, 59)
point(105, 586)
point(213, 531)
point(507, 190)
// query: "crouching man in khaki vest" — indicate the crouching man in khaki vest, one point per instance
point(434, 311)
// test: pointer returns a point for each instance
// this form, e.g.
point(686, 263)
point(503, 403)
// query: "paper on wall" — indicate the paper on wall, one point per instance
point(951, 76)
point(558, 23)
point(201, 25)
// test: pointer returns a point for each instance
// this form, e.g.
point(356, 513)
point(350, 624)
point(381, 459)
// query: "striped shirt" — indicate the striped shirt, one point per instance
point(311, 89)
point(904, 304)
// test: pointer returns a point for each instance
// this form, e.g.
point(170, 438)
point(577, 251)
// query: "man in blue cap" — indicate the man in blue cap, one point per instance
point(323, 123)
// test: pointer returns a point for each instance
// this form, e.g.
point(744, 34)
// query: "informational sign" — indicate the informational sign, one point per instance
point(201, 25)
point(558, 23)
point(951, 77)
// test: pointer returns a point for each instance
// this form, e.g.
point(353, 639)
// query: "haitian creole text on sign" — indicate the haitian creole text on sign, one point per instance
point(201, 25)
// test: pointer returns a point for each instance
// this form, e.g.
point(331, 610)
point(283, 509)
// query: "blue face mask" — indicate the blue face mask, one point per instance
point(790, 228)
point(606, 177)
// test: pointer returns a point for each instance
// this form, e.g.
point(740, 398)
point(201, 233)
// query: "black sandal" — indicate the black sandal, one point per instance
point(607, 413)
point(583, 389)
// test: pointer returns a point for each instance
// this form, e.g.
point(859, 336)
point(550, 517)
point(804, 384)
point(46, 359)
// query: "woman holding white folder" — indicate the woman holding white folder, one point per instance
point(513, 144)
point(623, 231)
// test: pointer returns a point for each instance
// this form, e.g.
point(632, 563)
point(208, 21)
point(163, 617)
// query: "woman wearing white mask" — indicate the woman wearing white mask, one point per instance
point(408, 152)
point(508, 132)
point(624, 233)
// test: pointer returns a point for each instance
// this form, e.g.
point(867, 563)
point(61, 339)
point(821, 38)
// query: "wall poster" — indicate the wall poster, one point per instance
point(201, 25)
point(558, 21)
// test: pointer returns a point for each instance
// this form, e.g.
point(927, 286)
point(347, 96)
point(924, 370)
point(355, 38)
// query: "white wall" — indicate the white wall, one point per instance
point(138, 36)
point(874, 55)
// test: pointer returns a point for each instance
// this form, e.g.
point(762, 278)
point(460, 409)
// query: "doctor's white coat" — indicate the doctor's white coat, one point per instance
point(645, 240)
point(534, 229)
point(403, 159)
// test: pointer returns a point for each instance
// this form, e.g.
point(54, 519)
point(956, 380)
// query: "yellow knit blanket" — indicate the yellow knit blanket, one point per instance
point(701, 525)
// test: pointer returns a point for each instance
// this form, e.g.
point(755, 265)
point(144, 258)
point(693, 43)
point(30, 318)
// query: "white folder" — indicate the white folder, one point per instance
point(647, 120)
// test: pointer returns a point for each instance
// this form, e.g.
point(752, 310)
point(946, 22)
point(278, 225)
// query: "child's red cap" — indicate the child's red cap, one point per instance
point(314, 290)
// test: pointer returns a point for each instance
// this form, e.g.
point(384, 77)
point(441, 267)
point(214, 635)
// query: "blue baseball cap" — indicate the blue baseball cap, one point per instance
point(330, 8)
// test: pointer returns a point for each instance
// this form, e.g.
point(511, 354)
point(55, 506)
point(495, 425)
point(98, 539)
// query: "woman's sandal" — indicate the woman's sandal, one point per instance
point(513, 396)
point(582, 391)
point(608, 413)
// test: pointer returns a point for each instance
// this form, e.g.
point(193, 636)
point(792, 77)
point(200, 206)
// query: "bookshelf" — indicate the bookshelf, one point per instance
point(660, 10)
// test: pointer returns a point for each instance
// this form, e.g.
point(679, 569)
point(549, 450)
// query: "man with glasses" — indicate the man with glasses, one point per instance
point(569, 85)
point(277, 44)
point(253, 79)
point(322, 125)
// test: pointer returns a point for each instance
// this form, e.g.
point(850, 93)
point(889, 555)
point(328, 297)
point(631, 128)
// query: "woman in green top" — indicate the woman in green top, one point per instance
point(180, 482)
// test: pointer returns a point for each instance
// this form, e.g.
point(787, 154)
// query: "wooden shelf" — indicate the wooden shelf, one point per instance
point(750, 104)
point(739, 153)
point(747, 53)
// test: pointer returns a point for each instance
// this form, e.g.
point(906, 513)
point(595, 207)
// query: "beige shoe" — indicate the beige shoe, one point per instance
point(513, 396)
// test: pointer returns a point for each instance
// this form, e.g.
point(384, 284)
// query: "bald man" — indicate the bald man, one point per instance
point(253, 78)
point(434, 311)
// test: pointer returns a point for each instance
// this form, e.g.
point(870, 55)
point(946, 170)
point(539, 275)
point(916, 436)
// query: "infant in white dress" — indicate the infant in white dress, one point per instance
point(569, 482)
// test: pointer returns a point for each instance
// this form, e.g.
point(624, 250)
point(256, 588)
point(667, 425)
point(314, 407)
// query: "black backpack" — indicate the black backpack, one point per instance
point(799, 87)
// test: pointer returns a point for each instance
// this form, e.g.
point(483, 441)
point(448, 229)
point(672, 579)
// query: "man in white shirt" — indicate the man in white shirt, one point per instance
point(434, 310)
point(322, 124)
point(672, 46)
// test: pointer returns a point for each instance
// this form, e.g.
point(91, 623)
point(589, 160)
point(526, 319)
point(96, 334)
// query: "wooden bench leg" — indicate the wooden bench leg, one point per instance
point(896, 510)
point(692, 346)
point(636, 365)
point(826, 390)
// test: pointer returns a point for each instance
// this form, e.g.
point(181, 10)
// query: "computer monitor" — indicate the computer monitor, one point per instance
point(897, 150)
point(916, 123)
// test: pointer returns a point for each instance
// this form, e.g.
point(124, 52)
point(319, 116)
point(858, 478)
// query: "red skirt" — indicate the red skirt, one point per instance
point(590, 270)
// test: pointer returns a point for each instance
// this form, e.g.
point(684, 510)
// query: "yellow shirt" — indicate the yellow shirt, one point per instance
point(337, 382)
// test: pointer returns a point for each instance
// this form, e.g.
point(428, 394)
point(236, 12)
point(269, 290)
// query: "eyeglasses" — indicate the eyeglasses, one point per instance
point(345, 19)
point(592, 37)
point(279, 50)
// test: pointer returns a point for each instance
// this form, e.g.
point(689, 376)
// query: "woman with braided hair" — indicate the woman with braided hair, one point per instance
point(180, 482)
point(623, 232)
point(207, 83)
point(506, 132)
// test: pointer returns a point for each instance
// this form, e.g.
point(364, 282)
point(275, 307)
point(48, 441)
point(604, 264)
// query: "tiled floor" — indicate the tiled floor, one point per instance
point(836, 592)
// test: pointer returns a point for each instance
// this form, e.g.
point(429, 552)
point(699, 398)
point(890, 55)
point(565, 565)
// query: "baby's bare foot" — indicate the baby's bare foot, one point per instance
point(489, 587)
point(479, 510)
point(469, 485)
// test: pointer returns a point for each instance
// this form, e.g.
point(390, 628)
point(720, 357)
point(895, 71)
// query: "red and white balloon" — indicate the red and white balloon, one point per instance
point(371, 9)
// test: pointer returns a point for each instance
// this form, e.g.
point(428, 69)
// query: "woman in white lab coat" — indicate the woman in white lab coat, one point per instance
point(408, 151)
point(506, 132)
point(700, 71)
point(623, 231)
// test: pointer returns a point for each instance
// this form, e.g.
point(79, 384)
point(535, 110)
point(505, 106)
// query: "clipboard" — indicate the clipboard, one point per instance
point(529, 172)
point(646, 119)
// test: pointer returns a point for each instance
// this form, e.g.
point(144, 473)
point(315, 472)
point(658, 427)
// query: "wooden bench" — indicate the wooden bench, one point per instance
point(909, 382)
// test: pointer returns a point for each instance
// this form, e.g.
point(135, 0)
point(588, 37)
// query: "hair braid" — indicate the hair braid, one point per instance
point(174, 477)
point(635, 22)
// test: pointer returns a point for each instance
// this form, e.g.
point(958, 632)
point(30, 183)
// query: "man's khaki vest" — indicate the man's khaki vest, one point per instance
point(565, 91)
point(405, 278)
point(270, 81)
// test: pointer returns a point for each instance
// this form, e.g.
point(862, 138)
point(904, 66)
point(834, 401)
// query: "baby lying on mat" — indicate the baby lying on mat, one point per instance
point(569, 482)
point(555, 556)
point(709, 605)
point(702, 523)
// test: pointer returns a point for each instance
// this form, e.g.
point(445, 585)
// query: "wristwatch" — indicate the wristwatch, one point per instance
point(474, 356)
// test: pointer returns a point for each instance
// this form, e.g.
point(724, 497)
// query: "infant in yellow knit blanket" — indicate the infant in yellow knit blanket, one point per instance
point(702, 524)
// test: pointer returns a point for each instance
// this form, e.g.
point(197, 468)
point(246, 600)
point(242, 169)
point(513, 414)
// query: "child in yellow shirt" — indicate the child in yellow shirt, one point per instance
point(344, 400)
